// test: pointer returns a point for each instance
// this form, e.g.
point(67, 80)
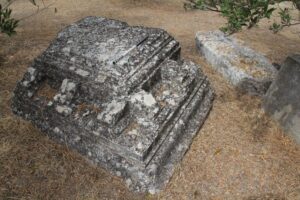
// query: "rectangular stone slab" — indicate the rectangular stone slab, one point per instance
point(244, 68)
point(119, 95)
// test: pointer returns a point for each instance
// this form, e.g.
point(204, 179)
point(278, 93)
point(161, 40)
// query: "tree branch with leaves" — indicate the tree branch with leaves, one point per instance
point(7, 23)
point(244, 13)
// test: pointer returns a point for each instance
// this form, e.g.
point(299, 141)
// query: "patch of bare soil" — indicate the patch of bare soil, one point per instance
point(238, 154)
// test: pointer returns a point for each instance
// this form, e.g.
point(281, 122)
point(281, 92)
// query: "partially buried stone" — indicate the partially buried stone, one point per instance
point(120, 95)
point(282, 100)
point(246, 69)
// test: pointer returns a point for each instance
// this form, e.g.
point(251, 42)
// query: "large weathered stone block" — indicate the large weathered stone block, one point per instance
point(241, 66)
point(119, 95)
point(282, 100)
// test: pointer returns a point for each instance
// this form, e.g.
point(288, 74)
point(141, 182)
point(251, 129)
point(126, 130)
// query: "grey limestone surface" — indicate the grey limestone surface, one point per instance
point(120, 95)
point(282, 100)
point(244, 68)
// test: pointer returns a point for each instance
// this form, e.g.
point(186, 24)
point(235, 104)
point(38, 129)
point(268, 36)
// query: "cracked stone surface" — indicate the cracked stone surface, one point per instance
point(244, 68)
point(120, 95)
point(282, 100)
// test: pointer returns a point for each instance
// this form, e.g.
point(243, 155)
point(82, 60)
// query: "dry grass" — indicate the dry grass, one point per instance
point(33, 167)
point(46, 91)
point(238, 154)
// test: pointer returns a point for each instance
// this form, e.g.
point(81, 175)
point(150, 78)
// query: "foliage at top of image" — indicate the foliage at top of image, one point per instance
point(238, 13)
point(7, 23)
point(244, 13)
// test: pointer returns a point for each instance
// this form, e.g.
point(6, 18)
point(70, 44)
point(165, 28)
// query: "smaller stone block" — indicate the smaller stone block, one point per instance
point(282, 100)
point(250, 71)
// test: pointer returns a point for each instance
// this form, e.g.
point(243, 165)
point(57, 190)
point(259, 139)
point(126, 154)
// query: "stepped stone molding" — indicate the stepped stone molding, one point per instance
point(119, 95)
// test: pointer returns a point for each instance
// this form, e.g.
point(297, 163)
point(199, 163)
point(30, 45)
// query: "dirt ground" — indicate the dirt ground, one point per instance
point(238, 154)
